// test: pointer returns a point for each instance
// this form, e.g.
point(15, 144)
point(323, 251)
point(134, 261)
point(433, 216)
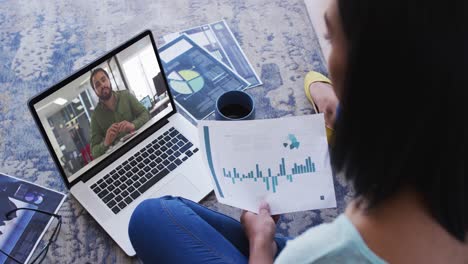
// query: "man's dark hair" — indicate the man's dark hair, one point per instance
point(401, 123)
point(93, 72)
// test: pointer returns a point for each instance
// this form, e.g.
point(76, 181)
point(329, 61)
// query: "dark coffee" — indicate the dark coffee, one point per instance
point(235, 111)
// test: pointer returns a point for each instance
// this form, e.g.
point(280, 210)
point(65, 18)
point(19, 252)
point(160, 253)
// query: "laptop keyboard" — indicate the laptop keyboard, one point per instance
point(141, 171)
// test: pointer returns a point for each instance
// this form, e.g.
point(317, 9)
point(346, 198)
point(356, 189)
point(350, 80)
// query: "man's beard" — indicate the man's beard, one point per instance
point(105, 96)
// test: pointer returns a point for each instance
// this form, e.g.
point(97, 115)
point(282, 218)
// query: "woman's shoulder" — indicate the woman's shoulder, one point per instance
point(335, 242)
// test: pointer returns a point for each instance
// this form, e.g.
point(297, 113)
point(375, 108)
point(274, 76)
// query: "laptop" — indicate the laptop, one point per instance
point(110, 173)
point(146, 102)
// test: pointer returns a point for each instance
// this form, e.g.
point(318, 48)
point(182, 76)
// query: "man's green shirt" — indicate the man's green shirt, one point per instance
point(127, 108)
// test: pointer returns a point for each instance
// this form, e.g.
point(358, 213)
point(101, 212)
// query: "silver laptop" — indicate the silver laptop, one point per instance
point(117, 139)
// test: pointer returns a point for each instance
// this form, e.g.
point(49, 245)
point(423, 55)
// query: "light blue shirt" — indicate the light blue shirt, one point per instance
point(336, 242)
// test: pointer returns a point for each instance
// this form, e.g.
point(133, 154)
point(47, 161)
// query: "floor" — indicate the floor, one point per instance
point(316, 10)
point(45, 41)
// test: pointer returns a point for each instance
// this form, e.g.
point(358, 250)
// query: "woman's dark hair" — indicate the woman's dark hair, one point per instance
point(93, 72)
point(401, 122)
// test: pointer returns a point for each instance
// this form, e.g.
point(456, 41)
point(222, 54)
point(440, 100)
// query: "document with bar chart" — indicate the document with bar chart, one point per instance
point(284, 162)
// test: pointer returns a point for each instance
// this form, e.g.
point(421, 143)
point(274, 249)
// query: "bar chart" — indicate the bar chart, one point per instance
point(269, 178)
point(284, 162)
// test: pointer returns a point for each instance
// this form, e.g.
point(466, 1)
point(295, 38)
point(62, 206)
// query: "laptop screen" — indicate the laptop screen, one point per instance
point(103, 109)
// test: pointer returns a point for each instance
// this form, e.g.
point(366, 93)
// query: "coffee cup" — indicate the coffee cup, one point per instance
point(235, 105)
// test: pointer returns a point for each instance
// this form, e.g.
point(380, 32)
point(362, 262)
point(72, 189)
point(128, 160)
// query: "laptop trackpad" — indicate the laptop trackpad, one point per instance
point(179, 186)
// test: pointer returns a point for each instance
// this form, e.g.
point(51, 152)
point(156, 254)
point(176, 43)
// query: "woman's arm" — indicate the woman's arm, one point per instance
point(260, 230)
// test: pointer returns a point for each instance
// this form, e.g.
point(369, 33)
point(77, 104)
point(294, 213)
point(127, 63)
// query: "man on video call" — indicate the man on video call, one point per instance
point(116, 115)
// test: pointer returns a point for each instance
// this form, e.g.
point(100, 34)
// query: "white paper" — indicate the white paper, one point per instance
point(12, 229)
point(242, 145)
point(20, 235)
point(175, 51)
point(218, 39)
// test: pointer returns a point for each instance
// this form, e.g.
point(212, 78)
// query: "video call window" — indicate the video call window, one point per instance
point(77, 117)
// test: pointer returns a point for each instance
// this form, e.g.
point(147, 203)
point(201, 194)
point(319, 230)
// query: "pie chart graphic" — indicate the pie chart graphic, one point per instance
point(186, 81)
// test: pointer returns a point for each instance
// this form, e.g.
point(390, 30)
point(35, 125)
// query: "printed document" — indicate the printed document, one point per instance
point(284, 162)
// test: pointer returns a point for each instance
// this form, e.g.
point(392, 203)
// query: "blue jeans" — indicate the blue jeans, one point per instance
point(177, 230)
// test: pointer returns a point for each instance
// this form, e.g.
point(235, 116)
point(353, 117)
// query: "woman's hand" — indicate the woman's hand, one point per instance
point(260, 230)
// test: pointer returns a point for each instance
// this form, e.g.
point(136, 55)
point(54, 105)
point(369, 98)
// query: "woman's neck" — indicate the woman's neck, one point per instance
point(401, 230)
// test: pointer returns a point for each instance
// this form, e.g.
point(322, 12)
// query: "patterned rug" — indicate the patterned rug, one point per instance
point(44, 41)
